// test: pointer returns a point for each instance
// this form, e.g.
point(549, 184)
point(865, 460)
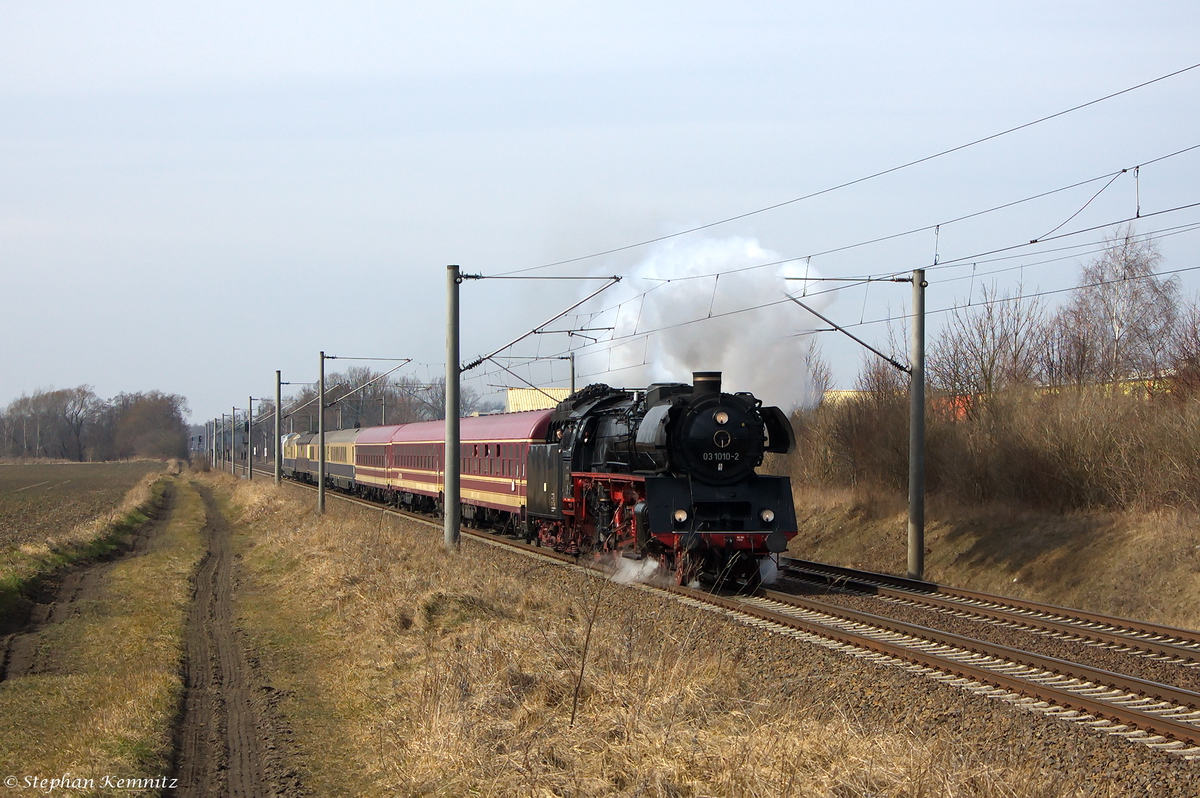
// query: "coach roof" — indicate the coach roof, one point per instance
point(530, 425)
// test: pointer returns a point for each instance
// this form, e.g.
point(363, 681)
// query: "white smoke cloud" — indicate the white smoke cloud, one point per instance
point(628, 572)
point(697, 326)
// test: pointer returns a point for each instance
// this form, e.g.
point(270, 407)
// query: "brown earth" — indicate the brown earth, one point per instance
point(40, 500)
point(225, 743)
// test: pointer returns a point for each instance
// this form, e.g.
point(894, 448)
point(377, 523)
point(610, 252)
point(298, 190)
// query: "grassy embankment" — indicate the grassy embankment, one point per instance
point(1084, 498)
point(402, 670)
point(103, 695)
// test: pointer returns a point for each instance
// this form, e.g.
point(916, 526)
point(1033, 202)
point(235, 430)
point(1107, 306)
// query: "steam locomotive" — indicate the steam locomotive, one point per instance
point(666, 473)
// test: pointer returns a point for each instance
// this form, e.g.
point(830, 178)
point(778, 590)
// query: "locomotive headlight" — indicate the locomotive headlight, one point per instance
point(767, 516)
point(721, 417)
point(680, 515)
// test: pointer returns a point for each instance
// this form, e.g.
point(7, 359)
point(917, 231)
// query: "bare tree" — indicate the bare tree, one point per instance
point(820, 375)
point(988, 347)
point(362, 395)
point(57, 419)
point(75, 424)
point(80, 408)
point(1184, 354)
point(1121, 320)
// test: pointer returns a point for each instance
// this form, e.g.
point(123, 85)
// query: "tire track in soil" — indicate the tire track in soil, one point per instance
point(219, 747)
point(57, 599)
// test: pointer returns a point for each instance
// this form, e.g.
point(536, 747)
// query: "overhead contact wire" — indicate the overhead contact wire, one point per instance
point(864, 179)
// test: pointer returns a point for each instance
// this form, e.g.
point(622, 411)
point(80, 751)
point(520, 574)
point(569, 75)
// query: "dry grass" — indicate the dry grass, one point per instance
point(106, 685)
point(1078, 449)
point(408, 671)
point(1086, 498)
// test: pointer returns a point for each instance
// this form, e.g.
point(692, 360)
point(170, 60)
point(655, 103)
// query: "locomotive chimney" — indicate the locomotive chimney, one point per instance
point(705, 382)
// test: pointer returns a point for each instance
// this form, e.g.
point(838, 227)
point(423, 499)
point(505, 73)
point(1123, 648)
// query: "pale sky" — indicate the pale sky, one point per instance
point(195, 195)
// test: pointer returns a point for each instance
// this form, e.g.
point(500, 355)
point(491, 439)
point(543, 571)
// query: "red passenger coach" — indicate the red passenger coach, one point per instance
point(372, 462)
point(417, 469)
point(406, 464)
point(493, 461)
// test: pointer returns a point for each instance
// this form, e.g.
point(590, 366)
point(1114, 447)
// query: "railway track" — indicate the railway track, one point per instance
point(1159, 715)
point(1154, 641)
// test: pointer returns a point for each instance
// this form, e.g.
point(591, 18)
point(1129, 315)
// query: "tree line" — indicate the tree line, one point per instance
point(76, 424)
point(1123, 322)
point(1124, 325)
point(363, 397)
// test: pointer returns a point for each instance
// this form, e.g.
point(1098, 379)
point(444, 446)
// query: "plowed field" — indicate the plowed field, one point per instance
point(41, 500)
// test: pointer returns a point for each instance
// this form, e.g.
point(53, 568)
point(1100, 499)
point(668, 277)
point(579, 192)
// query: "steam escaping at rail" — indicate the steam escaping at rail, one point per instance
point(694, 324)
point(768, 570)
point(628, 572)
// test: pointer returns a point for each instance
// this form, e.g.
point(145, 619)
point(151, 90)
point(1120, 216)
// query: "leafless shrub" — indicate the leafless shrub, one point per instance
point(1090, 447)
point(987, 347)
point(1184, 355)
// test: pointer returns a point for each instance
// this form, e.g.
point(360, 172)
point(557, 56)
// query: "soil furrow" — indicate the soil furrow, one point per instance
point(218, 750)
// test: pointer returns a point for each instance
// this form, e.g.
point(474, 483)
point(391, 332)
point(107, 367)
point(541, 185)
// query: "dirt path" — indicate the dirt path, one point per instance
point(220, 741)
point(59, 599)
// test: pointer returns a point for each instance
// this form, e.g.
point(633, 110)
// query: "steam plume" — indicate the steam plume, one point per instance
point(757, 351)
